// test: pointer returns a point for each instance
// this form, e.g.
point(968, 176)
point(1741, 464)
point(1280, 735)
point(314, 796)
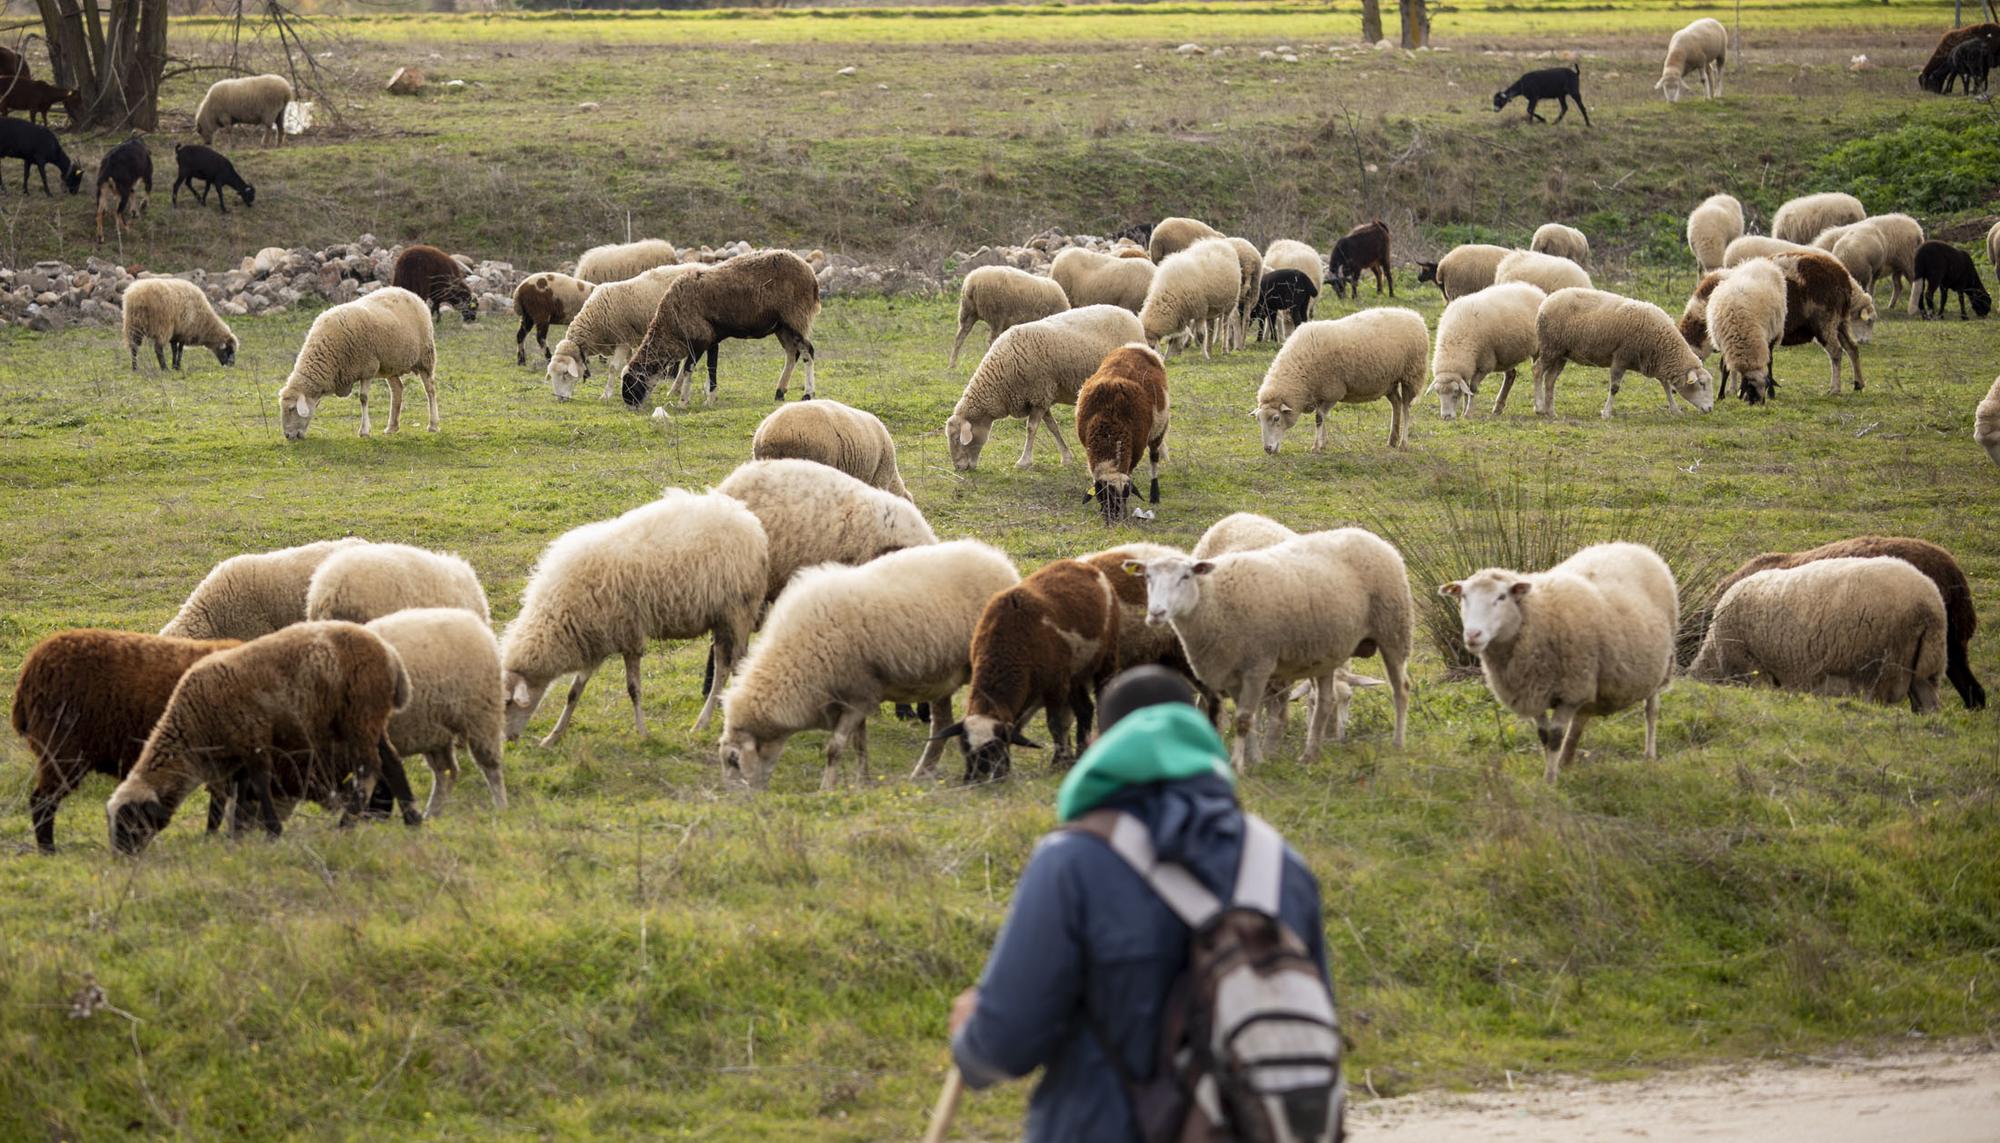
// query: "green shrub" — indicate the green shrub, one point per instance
point(1924, 167)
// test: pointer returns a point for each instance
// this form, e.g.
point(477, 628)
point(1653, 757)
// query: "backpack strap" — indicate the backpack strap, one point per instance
point(1260, 872)
point(1129, 839)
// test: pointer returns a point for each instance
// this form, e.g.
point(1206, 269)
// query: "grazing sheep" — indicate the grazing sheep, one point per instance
point(1284, 302)
point(1290, 254)
point(1120, 411)
point(1938, 70)
point(1992, 237)
point(839, 436)
point(750, 296)
point(1869, 627)
point(38, 98)
point(1558, 83)
point(386, 334)
point(364, 582)
point(1824, 304)
point(1368, 356)
point(453, 663)
point(238, 718)
point(1192, 291)
point(1711, 227)
point(1863, 252)
point(1546, 271)
point(1941, 270)
point(1741, 250)
point(1464, 269)
point(1491, 331)
point(1030, 369)
point(38, 147)
point(1088, 278)
point(437, 278)
point(1801, 219)
point(544, 300)
point(1899, 237)
point(253, 594)
point(1746, 317)
point(1299, 609)
point(85, 702)
point(1590, 637)
point(1593, 327)
point(1173, 235)
point(1986, 422)
point(1003, 297)
point(842, 641)
point(813, 514)
point(1702, 46)
point(681, 567)
point(258, 100)
point(1970, 62)
point(1366, 247)
point(124, 184)
point(1561, 241)
point(621, 260)
point(173, 313)
point(1937, 564)
point(611, 323)
point(195, 163)
point(1251, 264)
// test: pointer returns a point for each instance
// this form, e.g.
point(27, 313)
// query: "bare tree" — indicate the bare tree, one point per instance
point(113, 53)
point(1371, 20)
point(1416, 23)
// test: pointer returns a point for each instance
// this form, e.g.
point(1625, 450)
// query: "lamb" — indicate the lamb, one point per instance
point(1900, 236)
point(258, 99)
point(1173, 235)
point(544, 300)
point(1970, 62)
point(1290, 254)
point(453, 663)
point(1937, 564)
point(437, 278)
point(173, 312)
point(611, 323)
point(254, 594)
point(1801, 219)
point(1121, 411)
point(1299, 609)
point(38, 98)
point(619, 261)
point(1872, 627)
point(364, 582)
point(813, 514)
point(1030, 369)
point(38, 147)
point(196, 163)
point(85, 702)
point(300, 713)
point(750, 296)
point(1251, 264)
point(1088, 278)
point(1561, 241)
point(1941, 269)
point(1491, 331)
point(1547, 271)
point(1741, 250)
point(1593, 327)
point(841, 641)
point(1746, 315)
point(1192, 291)
point(1711, 227)
point(124, 184)
point(385, 334)
point(1366, 247)
point(1590, 637)
point(1367, 356)
point(1464, 269)
point(1284, 302)
point(839, 436)
point(1937, 70)
point(681, 567)
point(1702, 46)
point(1561, 84)
point(1986, 422)
point(1003, 297)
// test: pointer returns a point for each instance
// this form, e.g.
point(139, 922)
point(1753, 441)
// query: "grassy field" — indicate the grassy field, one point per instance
point(633, 950)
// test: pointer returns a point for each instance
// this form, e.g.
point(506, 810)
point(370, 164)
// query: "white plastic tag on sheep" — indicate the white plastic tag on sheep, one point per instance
point(298, 118)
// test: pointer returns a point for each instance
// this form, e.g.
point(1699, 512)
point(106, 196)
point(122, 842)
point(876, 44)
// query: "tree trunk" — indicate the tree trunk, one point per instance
point(1416, 23)
point(113, 53)
point(1371, 20)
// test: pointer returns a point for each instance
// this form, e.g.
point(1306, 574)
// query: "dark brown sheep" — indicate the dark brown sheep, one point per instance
point(1823, 305)
point(1366, 247)
point(1961, 618)
point(1049, 643)
point(1120, 411)
point(37, 98)
point(85, 702)
point(437, 278)
point(750, 296)
point(1938, 67)
point(544, 300)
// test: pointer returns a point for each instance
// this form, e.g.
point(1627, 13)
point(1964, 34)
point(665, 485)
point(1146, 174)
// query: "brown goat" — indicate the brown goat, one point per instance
point(36, 98)
point(437, 278)
point(1961, 618)
point(85, 702)
point(232, 721)
point(1050, 643)
point(750, 296)
point(1120, 411)
point(1366, 247)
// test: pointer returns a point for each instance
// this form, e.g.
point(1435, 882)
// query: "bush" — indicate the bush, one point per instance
point(1923, 167)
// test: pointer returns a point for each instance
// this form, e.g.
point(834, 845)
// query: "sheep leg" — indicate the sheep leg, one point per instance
point(396, 405)
point(850, 720)
point(542, 339)
point(1853, 353)
point(51, 787)
point(256, 784)
point(444, 773)
point(791, 360)
point(1397, 663)
point(521, 340)
point(1062, 448)
point(1153, 451)
point(361, 395)
point(389, 765)
point(632, 691)
point(1570, 738)
point(1653, 727)
point(487, 754)
point(713, 351)
point(1245, 749)
point(1833, 348)
point(569, 707)
point(1545, 387)
point(965, 323)
point(429, 378)
point(1617, 378)
point(177, 347)
point(940, 721)
point(1028, 448)
point(1578, 96)
point(1275, 718)
point(1316, 716)
point(1500, 400)
point(1319, 430)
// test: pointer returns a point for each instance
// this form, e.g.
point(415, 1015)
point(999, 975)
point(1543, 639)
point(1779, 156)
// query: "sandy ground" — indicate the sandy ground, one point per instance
point(1935, 1096)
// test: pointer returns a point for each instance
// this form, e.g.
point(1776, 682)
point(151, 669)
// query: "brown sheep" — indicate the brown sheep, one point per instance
point(1961, 618)
point(231, 720)
point(85, 702)
point(1120, 411)
point(36, 98)
point(544, 300)
point(750, 296)
point(1823, 305)
point(438, 279)
point(1050, 643)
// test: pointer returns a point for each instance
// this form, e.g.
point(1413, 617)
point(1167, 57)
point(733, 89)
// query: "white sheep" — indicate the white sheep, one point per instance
point(618, 261)
point(839, 436)
point(1192, 291)
point(1741, 250)
point(1864, 253)
point(453, 663)
point(612, 323)
point(842, 641)
point(1590, 637)
point(1562, 242)
point(173, 313)
point(1464, 269)
point(1089, 278)
point(1899, 235)
point(1801, 219)
point(1549, 272)
point(1173, 235)
point(1711, 227)
point(253, 594)
point(681, 567)
point(1985, 424)
point(256, 99)
point(1993, 247)
point(367, 581)
point(543, 300)
point(1003, 298)
point(813, 514)
point(1593, 327)
point(1702, 46)
point(385, 334)
point(1291, 254)
point(1746, 319)
point(1375, 354)
point(1029, 370)
point(1490, 331)
point(1251, 264)
point(1866, 627)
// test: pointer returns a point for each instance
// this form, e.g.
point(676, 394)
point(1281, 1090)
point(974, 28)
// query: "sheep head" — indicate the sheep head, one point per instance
point(1489, 606)
point(1274, 419)
point(1697, 388)
point(226, 352)
point(1454, 395)
point(565, 369)
point(964, 439)
point(523, 697)
point(985, 742)
point(135, 813)
point(295, 412)
point(746, 762)
point(1173, 586)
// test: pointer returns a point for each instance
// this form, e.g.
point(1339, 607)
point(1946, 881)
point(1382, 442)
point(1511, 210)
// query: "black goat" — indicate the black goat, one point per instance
point(120, 173)
point(1366, 247)
point(1942, 269)
point(1140, 232)
point(1282, 293)
point(1970, 61)
point(196, 163)
point(1558, 83)
point(36, 146)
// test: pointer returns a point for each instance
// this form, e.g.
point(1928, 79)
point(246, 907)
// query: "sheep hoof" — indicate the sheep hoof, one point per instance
point(413, 817)
point(778, 396)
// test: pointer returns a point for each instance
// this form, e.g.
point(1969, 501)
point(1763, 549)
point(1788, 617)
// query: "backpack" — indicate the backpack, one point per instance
point(1250, 1045)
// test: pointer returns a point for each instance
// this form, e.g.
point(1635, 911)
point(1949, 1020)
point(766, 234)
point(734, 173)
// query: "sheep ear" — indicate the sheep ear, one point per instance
point(1133, 567)
point(1202, 567)
point(1015, 736)
point(520, 695)
point(964, 433)
point(955, 730)
point(1284, 408)
point(303, 407)
point(1454, 590)
point(1519, 589)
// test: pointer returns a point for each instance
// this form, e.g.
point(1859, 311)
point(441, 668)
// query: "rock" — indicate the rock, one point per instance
point(266, 260)
point(1191, 50)
point(496, 303)
point(233, 308)
point(1267, 55)
point(589, 105)
point(47, 298)
point(850, 69)
point(406, 81)
point(1288, 58)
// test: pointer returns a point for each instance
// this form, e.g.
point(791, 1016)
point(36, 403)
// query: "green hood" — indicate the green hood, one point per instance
point(1157, 744)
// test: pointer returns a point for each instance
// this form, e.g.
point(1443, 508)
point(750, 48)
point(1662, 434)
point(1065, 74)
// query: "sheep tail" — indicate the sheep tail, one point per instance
point(402, 679)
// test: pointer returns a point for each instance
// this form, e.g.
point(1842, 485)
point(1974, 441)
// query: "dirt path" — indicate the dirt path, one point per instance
point(1928, 1097)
